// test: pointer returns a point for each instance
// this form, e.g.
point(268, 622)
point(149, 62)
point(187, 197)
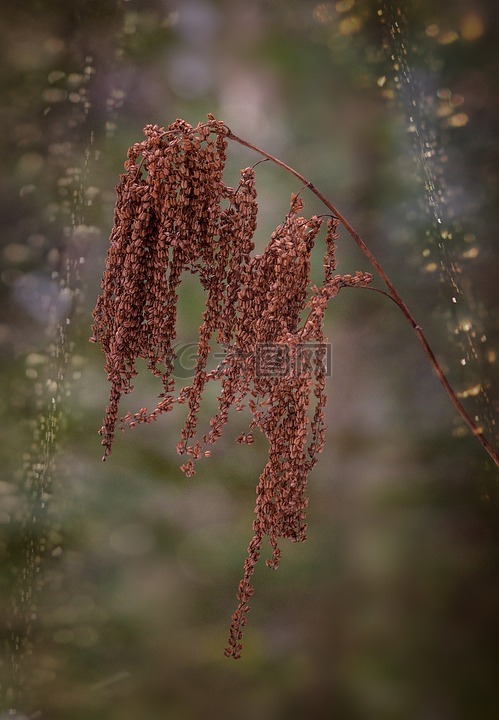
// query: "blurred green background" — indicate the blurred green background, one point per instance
point(118, 580)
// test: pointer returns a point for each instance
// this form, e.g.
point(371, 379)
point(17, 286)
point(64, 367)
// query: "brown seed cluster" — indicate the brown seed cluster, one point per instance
point(168, 219)
point(270, 306)
point(174, 213)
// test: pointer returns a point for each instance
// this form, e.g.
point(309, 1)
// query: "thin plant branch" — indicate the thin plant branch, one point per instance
point(392, 292)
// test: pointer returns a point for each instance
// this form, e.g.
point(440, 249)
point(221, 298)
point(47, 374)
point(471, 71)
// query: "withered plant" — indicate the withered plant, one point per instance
point(174, 213)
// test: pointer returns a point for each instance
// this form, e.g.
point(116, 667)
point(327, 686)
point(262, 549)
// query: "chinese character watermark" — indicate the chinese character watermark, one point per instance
point(270, 359)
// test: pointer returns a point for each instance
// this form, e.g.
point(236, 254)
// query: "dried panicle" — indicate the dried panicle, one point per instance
point(169, 219)
point(174, 213)
point(271, 304)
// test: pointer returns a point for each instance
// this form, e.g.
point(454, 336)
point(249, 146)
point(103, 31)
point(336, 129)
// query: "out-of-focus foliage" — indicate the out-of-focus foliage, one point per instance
point(118, 580)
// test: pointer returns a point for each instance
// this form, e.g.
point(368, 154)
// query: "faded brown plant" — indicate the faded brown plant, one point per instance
point(170, 218)
point(175, 214)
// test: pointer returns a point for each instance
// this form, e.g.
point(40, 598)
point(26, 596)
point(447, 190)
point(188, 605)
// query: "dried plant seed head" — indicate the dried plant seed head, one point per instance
point(169, 219)
point(175, 214)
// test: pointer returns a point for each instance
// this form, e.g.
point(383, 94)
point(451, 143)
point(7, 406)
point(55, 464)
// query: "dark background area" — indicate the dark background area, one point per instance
point(118, 580)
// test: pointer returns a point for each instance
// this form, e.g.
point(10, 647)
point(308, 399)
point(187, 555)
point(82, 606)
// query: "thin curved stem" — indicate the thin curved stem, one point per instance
point(392, 293)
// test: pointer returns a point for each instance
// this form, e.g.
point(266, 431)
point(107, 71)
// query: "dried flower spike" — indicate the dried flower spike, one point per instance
point(175, 214)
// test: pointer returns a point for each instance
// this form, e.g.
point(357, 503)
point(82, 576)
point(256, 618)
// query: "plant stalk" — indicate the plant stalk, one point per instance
point(392, 292)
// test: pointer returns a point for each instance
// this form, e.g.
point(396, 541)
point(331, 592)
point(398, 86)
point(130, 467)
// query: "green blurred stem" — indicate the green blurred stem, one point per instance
point(392, 293)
